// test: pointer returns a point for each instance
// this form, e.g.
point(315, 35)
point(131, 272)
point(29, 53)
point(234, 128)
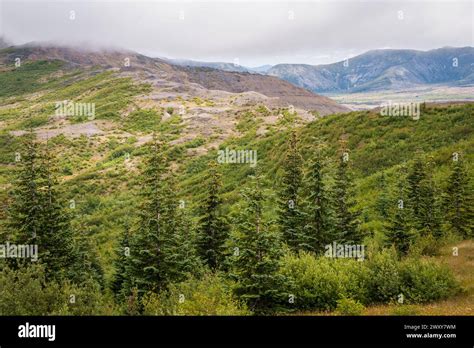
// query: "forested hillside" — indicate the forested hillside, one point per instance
point(144, 209)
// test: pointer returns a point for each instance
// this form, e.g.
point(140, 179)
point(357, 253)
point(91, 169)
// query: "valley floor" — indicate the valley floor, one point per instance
point(437, 94)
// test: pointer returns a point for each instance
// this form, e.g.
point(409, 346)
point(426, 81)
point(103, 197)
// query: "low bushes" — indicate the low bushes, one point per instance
point(25, 291)
point(209, 295)
point(348, 306)
point(320, 283)
point(425, 281)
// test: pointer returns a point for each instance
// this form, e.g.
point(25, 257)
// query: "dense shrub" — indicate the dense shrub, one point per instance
point(348, 306)
point(209, 295)
point(25, 291)
point(318, 283)
point(385, 280)
point(143, 120)
point(425, 281)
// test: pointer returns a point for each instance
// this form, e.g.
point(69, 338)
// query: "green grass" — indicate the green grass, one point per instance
point(27, 78)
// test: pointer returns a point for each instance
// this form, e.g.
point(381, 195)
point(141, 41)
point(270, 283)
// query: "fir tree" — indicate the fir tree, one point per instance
point(121, 281)
point(416, 190)
point(383, 201)
point(429, 213)
point(37, 214)
point(182, 259)
point(458, 205)
point(150, 242)
point(347, 223)
point(86, 266)
point(399, 234)
point(24, 213)
point(290, 217)
point(318, 228)
point(55, 238)
point(213, 228)
point(162, 249)
point(256, 263)
point(422, 198)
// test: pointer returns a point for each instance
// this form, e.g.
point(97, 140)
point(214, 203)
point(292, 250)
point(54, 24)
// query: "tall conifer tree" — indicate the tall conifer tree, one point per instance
point(290, 218)
point(347, 222)
point(213, 229)
point(399, 233)
point(256, 263)
point(459, 211)
point(319, 227)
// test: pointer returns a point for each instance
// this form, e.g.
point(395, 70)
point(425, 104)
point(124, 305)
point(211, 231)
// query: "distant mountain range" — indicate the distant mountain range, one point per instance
point(377, 70)
point(387, 69)
point(181, 79)
point(219, 65)
point(384, 70)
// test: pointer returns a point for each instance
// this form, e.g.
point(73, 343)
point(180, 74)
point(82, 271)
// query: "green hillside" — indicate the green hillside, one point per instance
point(102, 173)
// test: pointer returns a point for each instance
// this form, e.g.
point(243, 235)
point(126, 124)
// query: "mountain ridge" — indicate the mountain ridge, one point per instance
point(383, 69)
point(278, 92)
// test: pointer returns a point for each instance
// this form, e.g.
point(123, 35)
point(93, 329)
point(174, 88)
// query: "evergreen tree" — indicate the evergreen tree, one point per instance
point(399, 233)
point(121, 281)
point(458, 205)
point(290, 217)
point(256, 263)
point(347, 223)
point(429, 214)
point(86, 266)
point(37, 214)
point(24, 213)
point(55, 238)
point(162, 249)
point(383, 201)
point(151, 242)
point(213, 228)
point(416, 189)
point(318, 229)
point(182, 258)
point(422, 198)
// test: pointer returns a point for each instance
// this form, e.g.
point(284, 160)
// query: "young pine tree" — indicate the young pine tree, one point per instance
point(55, 238)
point(416, 178)
point(182, 258)
point(422, 195)
point(213, 229)
point(256, 263)
point(151, 242)
point(430, 210)
point(37, 214)
point(24, 213)
point(459, 211)
point(383, 201)
point(318, 228)
point(120, 284)
point(162, 248)
point(290, 218)
point(399, 233)
point(347, 222)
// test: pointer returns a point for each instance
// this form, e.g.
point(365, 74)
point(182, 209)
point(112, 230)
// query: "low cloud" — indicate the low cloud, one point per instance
point(255, 32)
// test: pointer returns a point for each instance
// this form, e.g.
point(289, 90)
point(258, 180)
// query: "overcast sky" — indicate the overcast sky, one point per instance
point(248, 32)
